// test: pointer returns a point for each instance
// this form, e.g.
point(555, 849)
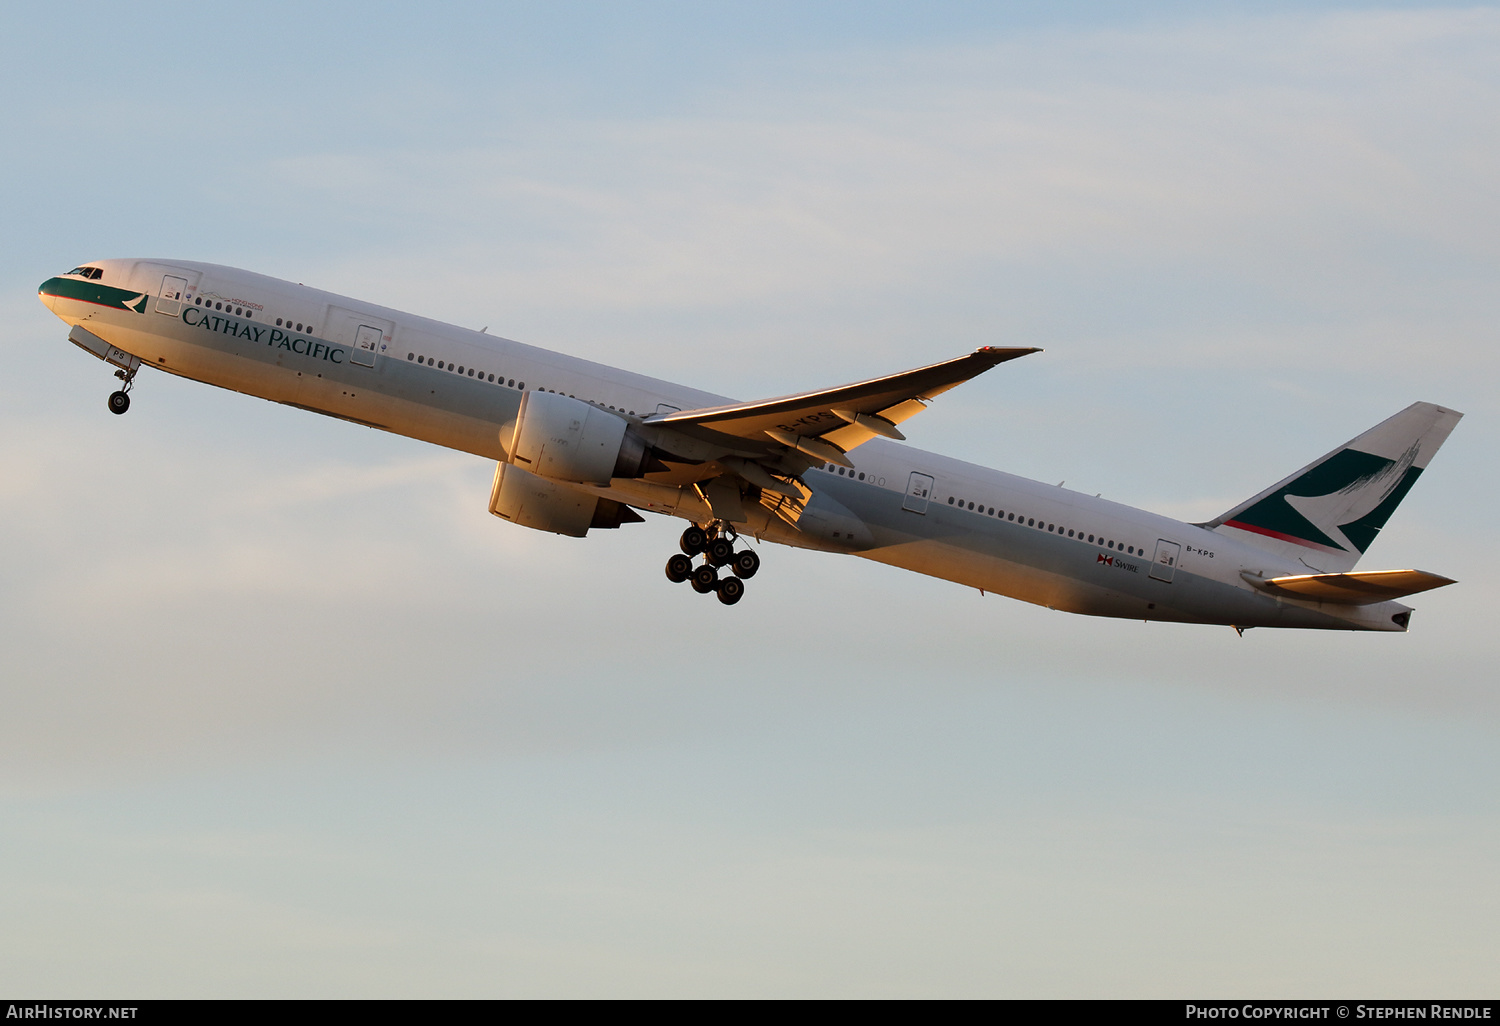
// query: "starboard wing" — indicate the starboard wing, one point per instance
point(828, 423)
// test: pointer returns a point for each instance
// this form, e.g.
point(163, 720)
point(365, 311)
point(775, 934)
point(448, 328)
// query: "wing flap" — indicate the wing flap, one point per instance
point(1360, 588)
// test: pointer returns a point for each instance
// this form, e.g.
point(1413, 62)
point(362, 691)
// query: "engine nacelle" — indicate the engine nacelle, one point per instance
point(563, 439)
point(531, 501)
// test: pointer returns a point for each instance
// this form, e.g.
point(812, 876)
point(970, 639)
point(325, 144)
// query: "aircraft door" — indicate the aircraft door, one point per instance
point(366, 345)
point(366, 335)
point(169, 299)
point(918, 492)
point(1164, 564)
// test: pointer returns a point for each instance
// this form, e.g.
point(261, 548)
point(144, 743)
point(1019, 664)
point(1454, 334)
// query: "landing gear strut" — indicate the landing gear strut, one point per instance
point(119, 401)
point(715, 544)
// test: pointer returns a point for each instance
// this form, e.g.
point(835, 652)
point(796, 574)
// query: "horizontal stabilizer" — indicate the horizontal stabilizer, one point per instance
point(1361, 588)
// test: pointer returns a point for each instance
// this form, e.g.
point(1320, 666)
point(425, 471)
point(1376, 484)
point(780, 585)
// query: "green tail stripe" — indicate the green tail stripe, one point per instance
point(1342, 471)
point(1363, 531)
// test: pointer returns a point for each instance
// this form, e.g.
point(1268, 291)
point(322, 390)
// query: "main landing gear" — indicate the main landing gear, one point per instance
point(716, 545)
point(119, 401)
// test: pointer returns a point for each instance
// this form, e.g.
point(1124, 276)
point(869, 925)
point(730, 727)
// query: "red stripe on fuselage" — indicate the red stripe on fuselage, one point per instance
point(1279, 536)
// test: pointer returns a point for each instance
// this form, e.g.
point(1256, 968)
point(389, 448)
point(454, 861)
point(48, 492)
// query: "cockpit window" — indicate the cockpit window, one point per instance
point(88, 272)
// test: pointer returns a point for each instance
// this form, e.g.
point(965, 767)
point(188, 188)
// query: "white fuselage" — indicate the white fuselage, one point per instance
point(462, 389)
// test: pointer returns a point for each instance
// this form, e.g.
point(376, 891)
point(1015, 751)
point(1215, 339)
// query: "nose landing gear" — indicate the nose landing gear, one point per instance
point(119, 401)
point(716, 545)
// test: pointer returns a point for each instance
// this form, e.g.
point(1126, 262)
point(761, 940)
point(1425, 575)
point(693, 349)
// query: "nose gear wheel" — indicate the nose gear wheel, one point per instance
point(119, 401)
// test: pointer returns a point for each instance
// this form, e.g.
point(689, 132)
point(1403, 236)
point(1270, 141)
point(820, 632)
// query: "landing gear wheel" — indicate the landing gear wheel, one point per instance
point(679, 568)
point(731, 590)
point(705, 579)
point(745, 564)
point(119, 402)
point(694, 540)
point(720, 551)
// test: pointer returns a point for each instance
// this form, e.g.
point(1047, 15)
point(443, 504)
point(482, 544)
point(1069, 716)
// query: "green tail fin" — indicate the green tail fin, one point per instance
point(1327, 514)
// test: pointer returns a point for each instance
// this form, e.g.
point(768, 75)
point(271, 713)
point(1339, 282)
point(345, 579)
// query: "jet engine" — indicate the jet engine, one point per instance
point(564, 439)
point(531, 501)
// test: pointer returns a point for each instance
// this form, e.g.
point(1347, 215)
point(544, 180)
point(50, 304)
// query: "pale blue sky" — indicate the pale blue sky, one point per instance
point(287, 713)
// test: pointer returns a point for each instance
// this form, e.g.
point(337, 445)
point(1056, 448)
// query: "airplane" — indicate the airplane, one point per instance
point(580, 446)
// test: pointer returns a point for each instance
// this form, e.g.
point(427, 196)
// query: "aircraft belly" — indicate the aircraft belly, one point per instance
point(994, 556)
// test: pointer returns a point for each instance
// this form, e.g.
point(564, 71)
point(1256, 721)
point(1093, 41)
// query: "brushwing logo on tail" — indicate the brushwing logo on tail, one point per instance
point(1342, 503)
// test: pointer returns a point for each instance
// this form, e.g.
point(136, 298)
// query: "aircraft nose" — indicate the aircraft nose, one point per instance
point(48, 291)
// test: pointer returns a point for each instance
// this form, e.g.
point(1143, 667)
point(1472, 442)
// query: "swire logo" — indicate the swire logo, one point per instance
point(1106, 560)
